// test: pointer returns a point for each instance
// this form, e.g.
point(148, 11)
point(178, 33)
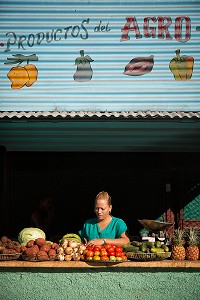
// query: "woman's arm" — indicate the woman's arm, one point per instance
point(124, 239)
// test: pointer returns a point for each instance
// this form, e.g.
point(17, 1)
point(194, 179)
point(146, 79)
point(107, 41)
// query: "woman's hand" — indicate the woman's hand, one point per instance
point(95, 242)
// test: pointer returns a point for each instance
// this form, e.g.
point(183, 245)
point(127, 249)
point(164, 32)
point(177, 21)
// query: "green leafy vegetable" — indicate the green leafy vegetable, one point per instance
point(30, 233)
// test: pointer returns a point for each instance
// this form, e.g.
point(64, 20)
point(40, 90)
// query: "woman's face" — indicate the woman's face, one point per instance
point(102, 209)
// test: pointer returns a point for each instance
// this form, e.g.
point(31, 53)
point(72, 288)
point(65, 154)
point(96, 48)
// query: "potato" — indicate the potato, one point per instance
point(52, 254)
point(45, 247)
point(42, 255)
point(40, 242)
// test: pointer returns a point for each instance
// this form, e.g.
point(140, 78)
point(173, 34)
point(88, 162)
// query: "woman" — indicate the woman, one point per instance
point(105, 229)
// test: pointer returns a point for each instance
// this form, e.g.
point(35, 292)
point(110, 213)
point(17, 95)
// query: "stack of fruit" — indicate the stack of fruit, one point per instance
point(104, 253)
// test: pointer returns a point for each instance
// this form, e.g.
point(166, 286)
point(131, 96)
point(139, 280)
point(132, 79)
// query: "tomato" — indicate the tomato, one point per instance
point(90, 253)
point(103, 248)
point(118, 258)
point(103, 253)
point(118, 249)
point(96, 257)
point(119, 254)
point(85, 251)
point(124, 257)
point(104, 257)
point(89, 258)
point(108, 246)
point(111, 253)
point(90, 248)
point(96, 253)
point(111, 249)
point(96, 248)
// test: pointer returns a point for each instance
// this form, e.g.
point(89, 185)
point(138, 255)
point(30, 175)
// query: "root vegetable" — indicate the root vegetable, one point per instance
point(68, 250)
point(68, 257)
point(45, 247)
point(76, 257)
point(61, 257)
point(72, 244)
point(52, 254)
point(60, 251)
point(40, 241)
point(42, 255)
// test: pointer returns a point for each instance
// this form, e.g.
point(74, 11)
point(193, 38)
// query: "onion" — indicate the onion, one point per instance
point(82, 247)
point(65, 243)
point(76, 256)
point(72, 244)
point(68, 257)
point(68, 250)
point(61, 257)
point(60, 250)
point(75, 250)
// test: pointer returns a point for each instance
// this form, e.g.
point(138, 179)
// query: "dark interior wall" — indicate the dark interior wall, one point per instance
point(135, 181)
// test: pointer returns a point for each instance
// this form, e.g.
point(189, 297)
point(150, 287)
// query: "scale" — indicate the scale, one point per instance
point(156, 229)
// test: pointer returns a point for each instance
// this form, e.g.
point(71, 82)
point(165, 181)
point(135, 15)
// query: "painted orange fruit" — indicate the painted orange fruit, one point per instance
point(18, 76)
point(32, 73)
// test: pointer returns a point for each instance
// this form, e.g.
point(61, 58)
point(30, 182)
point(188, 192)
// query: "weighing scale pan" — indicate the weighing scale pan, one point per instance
point(154, 225)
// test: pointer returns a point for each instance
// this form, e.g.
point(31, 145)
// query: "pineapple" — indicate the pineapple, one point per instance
point(192, 241)
point(178, 249)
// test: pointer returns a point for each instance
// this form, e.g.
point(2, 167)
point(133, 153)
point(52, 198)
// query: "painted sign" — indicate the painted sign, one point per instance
point(97, 56)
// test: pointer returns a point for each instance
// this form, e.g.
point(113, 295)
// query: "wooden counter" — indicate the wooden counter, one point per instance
point(81, 264)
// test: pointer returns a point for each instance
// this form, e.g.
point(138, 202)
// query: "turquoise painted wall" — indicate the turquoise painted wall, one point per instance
point(84, 284)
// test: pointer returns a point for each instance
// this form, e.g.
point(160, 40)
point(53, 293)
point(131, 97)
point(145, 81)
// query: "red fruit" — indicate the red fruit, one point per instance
point(111, 249)
point(40, 242)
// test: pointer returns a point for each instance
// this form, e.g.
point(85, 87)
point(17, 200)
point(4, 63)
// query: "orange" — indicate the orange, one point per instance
point(32, 73)
point(18, 76)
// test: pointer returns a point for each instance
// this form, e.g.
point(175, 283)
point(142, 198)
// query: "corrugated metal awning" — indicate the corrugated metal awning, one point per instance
point(100, 131)
point(122, 114)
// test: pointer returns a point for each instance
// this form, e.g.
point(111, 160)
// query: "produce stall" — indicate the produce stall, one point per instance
point(69, 269)
point(98, 76)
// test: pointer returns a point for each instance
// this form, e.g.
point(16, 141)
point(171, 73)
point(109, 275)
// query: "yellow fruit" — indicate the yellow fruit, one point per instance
point(192, 253)
point(192, 241)
point(178, 249)
point(178, 253)
point(32, 73)
point(18, 76)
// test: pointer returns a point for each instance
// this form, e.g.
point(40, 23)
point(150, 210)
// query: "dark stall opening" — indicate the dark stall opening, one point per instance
point(136, 182)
